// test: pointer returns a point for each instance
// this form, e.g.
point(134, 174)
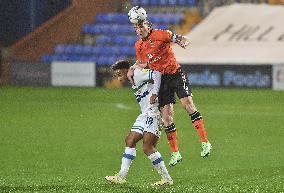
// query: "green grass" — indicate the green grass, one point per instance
point(69, 139)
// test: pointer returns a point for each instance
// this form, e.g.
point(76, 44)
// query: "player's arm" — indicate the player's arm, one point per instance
point(180, 40)
point(130, 72)
point(156, 77)
point(168, 36)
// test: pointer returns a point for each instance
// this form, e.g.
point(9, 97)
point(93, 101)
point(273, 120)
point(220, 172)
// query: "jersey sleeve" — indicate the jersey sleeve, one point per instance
point(156, 77)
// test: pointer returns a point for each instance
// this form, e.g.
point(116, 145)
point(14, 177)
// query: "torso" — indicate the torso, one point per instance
point(156, 51)
point(144, 93)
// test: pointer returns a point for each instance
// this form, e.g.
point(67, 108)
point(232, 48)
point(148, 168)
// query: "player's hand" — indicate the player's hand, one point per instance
point(153, 98)
point(130, 74)
point(182, 41)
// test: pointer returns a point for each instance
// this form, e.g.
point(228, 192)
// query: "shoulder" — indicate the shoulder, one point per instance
point(141, 71)
point(161, 34)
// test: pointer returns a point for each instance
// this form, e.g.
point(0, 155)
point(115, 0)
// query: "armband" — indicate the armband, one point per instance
point(182, 41)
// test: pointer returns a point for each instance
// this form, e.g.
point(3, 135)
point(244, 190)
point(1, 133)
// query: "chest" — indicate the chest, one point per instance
point(151, 46)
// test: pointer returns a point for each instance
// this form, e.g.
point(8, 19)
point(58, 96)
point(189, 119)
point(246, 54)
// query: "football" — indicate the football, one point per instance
point(137, 14)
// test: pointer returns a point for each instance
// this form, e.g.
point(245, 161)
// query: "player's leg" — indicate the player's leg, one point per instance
point(149, 148)
point(184, 93)
point(127, 157)
point(171, 132)
point(198, 123)
point(166, 101)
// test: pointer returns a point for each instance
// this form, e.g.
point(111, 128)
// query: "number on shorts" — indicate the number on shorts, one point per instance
point(149, 121)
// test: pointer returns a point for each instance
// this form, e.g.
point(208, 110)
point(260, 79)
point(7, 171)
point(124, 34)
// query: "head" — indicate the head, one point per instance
point(138, 17)
point(143, 29)
point(121, 68)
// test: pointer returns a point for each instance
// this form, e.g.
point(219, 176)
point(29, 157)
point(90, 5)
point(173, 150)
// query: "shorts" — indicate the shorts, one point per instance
point(147, 123)
point(171, 84)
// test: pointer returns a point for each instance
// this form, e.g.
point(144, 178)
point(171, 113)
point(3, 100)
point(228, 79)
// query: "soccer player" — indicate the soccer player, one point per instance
point(146, 126)
point(153, 49)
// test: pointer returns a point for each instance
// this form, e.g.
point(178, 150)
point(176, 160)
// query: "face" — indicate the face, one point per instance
point(142, 30)
point(121, 74)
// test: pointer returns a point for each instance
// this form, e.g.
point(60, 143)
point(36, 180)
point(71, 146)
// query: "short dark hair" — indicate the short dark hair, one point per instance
point(121, 64)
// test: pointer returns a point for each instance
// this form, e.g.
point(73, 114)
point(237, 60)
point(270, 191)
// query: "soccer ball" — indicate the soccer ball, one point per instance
point(137, 15)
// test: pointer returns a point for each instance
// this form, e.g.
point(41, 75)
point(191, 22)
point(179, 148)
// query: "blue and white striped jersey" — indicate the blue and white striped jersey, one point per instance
point(147, 82)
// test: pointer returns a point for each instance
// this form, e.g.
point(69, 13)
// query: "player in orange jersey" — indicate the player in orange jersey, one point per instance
point(153, 49)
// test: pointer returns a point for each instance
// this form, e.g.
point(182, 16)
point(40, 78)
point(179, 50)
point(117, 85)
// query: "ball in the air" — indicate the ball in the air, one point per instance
point(137, 15)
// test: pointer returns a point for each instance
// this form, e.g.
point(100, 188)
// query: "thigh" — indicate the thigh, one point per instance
point(167, 92)
point(182, 87)
point(150, 139)
point(132, 138)
point(187, 103)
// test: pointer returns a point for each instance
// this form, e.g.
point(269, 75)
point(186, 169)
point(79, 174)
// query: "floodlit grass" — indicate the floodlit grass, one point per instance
point(69, 139)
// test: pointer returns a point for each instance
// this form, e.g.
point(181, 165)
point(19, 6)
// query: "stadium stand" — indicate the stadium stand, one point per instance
point(111, 37)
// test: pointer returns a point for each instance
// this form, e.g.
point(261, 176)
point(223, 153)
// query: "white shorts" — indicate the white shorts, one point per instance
point(146, 123)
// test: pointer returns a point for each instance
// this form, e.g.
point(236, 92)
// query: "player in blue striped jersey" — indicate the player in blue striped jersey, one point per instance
point(146, 126)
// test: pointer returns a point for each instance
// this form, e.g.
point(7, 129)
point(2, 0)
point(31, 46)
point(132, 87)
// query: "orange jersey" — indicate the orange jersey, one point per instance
point(156, 51)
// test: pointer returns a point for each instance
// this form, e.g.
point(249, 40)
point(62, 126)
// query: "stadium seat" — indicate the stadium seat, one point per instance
point(103, 39)
point(173, 2)
point(46, 58)
point(145, 2)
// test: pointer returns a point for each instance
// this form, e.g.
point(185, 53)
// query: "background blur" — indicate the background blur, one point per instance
point(39, 39)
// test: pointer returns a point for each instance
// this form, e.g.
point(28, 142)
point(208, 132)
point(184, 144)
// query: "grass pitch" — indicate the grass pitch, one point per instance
point(69, 139)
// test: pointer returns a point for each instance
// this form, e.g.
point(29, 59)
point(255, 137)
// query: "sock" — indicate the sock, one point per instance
point(159, 165)
point(197, 122)
point(127, 158)
point(172, 137)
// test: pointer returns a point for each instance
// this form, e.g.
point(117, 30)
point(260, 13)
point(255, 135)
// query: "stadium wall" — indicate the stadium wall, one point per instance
point(199, 75)
point(228, 75)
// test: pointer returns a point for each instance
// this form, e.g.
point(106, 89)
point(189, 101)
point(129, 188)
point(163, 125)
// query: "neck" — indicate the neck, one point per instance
point(147, 35)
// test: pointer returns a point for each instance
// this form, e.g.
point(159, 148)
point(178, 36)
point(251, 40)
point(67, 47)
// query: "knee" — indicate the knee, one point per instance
point(129, 142)
point(148, 149)
point(167, 118)
point(189, 107)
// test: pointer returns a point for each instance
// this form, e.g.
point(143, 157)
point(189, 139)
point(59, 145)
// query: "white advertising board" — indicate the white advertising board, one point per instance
point(278, 77)
point(73, 74)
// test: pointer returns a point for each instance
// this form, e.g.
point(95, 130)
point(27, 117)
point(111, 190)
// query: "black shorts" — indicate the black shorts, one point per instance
point(171, 84)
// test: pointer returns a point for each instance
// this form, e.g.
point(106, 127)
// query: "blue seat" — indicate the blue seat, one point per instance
point(100, 18)
point(154, 2)
point(135, 2)
point(121, 18)
point(109, 28)
point(111, 18)
point(88, 29)
point(103, 39)
point(182, 2)
point(131, 40)
point(86, 50)
point(191, 2)
point(59, 48)
point(163, 2)
point(173, 2)
point(46, 58)
point(105, 60)
point(145, 2)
